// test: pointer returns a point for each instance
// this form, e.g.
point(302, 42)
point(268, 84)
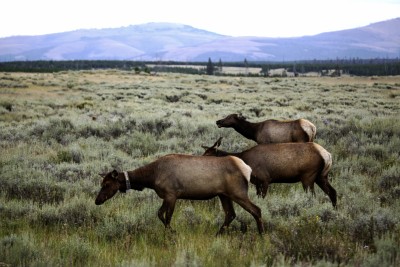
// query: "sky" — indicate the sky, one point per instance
point(264, 18)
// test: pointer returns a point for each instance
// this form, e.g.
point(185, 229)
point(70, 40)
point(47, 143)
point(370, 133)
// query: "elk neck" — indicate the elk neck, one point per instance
point(142, 177)
point(247, 129)
point(221, 153)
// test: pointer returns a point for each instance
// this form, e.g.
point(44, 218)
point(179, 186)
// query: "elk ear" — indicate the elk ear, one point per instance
point(205, 147)
point(114, 174)
point(218, 143)
point(241, 117)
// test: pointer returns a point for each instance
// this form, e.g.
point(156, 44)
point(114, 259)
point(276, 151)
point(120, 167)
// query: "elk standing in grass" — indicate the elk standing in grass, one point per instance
point(177, 176)
point(307, 163)
point(271, 131)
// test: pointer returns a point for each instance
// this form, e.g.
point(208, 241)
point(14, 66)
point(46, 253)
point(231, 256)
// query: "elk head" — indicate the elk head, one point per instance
point(230, 120)
point(112, 182)
point(213, 150)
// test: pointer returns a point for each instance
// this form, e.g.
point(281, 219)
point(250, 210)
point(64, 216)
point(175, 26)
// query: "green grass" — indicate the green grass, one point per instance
point(59, 131)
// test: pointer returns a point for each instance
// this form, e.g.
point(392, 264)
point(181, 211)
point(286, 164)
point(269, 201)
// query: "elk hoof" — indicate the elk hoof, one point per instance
point(169, 230)
point(221, 231)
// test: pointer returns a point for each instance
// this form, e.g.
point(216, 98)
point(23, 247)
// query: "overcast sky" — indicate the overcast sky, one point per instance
point(264, 18)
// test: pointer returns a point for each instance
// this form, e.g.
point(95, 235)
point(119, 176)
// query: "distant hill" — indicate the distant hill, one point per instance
point(177, 42)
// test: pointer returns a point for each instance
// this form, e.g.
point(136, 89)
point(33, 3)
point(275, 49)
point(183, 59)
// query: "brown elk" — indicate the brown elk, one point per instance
point(271, 131)
point(307, 163)
point(178, 176)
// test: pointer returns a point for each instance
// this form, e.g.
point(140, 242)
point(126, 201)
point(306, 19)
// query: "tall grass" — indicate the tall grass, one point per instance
point(59, 131)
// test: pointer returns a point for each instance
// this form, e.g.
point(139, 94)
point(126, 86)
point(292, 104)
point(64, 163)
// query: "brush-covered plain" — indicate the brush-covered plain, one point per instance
point(58, 131)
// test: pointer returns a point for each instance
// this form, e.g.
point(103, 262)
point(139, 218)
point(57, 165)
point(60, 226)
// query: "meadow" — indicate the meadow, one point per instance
point(58, 131)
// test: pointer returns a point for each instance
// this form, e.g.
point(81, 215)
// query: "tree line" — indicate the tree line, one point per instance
point(358, 67)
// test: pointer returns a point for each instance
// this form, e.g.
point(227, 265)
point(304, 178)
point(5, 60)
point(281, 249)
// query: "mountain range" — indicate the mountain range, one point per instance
point(177, 42)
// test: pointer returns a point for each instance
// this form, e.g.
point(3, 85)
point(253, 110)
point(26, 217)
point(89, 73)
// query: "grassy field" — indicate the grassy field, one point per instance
point(58, 131)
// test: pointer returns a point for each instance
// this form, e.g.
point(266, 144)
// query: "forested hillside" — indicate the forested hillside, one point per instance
point(358, 67)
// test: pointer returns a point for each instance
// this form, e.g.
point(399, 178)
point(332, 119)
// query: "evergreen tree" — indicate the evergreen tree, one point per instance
point(210, 67)
point(220, 66)
point(246, 66)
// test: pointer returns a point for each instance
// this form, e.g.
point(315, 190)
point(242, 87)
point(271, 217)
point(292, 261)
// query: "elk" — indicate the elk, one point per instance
point(178, 176)
point(271, 131)
point(307, 163)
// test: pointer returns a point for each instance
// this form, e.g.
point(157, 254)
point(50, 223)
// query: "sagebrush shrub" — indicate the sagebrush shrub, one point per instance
point(40, 191)
point(68, 155)
point(18, 250)
point(138, 144)
point(70, 172)
point(386, 252)
point(156, 127)
point(58, 128)
point(389, 179)
point(8, 106)
point(16, 209)
point(75, 212)
point(76, 251)
point(80, 211)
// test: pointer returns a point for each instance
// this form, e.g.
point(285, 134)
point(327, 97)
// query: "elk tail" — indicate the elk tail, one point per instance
point(309, 128)
point(314, 132)
point(246, 169)
point(328, 162)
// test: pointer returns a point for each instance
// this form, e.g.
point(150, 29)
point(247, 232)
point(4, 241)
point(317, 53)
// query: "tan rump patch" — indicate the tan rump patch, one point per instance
point(327, 159)
point(246, 169)
point(309, 128)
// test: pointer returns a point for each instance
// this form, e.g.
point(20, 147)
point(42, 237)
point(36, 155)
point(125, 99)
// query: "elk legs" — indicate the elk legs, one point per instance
point(255, 211)
point(230, 214)
point(328, 189)
point(166, 210)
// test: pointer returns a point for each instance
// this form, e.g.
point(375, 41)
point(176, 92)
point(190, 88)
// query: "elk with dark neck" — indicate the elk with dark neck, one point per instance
point(271, 131)
point(307, 163)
